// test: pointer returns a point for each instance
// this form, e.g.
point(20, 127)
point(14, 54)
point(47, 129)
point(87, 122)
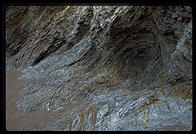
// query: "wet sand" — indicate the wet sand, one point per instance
point(25, 121)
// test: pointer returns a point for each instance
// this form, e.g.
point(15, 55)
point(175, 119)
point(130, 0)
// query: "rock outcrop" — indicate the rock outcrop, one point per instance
point(128, 67)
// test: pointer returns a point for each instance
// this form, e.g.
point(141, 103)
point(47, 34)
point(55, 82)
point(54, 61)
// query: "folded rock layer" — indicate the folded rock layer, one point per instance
point(127, 67)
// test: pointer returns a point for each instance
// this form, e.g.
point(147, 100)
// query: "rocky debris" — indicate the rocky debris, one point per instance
point(128, 67)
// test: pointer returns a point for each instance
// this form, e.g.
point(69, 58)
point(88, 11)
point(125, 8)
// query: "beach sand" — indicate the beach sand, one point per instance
point(25, 121)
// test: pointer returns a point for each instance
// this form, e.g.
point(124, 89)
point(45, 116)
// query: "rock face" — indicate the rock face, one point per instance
point(128, 67)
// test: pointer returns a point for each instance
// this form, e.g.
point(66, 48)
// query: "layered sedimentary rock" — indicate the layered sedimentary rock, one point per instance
point(127, 67)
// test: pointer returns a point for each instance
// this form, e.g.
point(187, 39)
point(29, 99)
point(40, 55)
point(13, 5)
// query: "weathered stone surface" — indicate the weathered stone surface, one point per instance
point(128, 67)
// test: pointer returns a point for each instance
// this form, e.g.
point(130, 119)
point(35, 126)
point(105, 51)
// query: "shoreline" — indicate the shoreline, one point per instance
point(25, 121)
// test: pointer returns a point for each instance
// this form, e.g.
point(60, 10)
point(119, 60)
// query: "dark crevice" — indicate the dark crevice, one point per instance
point(57, 43)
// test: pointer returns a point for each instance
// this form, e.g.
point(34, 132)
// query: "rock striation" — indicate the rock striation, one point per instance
point(128, 67)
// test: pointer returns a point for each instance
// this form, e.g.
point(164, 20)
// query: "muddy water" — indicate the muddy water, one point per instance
point(25, 121)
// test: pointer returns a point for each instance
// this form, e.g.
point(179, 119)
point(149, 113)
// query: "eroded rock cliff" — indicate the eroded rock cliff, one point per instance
point(128, 67)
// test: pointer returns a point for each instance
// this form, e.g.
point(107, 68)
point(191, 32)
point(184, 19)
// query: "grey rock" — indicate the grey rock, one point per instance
point(129, 67)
